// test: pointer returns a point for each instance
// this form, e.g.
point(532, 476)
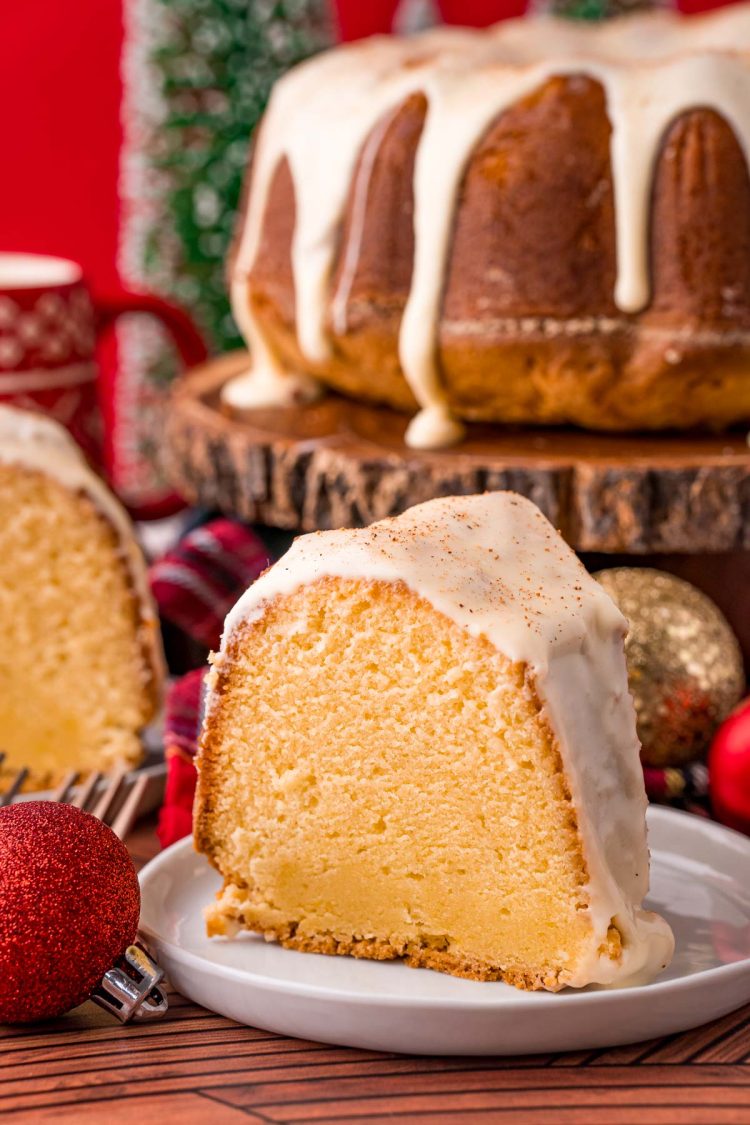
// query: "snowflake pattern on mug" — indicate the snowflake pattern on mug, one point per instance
point(47, 345)
point(47, 329)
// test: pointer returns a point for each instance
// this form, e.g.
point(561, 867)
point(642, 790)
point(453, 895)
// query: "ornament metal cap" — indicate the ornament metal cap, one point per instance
point(130, 989)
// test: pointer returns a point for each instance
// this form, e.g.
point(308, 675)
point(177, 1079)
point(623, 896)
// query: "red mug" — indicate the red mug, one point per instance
point(50, 330)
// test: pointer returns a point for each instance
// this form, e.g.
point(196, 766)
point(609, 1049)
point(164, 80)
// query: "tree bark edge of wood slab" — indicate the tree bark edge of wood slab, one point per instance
point(338, 463)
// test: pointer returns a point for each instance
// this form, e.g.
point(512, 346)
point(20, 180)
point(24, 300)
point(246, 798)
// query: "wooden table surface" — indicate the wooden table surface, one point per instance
point(194, 1068)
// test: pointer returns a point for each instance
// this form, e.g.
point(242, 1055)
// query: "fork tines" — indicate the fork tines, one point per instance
point(98, 794)
point(16, 782)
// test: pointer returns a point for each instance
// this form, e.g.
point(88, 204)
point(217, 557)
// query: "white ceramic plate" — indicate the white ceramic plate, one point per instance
point(700, 879)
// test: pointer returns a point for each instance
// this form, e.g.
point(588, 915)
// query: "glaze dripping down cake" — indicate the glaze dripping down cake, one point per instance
point(81, 666)
point(419, 743)
point(543, 222)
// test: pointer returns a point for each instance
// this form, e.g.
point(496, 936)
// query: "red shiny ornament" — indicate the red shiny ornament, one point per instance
point(69, 907)
point(729, 770)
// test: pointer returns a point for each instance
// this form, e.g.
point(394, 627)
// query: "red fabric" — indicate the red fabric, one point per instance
point(183, 713)
point(176, 815)
point(198, 582)
point(181, 728)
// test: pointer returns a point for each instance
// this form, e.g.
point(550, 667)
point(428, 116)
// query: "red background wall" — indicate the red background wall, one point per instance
point(60, 130)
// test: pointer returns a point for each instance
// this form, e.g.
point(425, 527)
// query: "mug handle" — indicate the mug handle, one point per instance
point(191, 348)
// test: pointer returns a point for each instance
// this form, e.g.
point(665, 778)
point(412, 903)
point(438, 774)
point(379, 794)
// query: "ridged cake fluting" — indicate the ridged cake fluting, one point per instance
point(546, 221)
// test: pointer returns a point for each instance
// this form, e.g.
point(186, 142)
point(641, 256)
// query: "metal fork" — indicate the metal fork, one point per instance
point(101, 805)
point(16, 782)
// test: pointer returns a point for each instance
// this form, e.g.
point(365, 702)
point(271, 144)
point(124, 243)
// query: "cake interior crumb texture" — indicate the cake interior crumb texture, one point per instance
point(376, 781)
point(75, 686)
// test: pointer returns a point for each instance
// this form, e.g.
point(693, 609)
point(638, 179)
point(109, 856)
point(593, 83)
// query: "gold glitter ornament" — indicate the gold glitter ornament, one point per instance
point(685, 667)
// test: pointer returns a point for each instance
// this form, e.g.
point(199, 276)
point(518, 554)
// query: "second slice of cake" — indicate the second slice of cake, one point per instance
point(419, 743)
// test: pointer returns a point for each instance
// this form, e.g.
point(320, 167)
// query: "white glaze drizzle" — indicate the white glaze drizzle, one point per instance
point(39, 443)
point(496, 567)
point(653, 67)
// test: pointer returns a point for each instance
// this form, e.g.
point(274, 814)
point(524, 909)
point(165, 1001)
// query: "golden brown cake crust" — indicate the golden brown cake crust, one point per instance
point(419, 957)
point(426, 957)
point(540, 340)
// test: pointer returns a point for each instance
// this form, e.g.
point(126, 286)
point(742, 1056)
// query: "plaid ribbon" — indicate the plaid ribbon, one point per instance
point(195, 586)
point(198, 582)
point(182, 727)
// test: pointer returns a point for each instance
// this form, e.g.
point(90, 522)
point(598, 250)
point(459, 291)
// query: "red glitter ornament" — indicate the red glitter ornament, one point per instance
point(69, 907)
point(729, 770)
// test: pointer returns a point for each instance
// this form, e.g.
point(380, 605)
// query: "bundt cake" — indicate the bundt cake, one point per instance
point(419, 743)
point(80, 661)
point(543, 222)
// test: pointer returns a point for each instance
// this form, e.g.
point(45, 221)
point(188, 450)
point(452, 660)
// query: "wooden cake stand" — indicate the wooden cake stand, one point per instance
point(336, 463)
